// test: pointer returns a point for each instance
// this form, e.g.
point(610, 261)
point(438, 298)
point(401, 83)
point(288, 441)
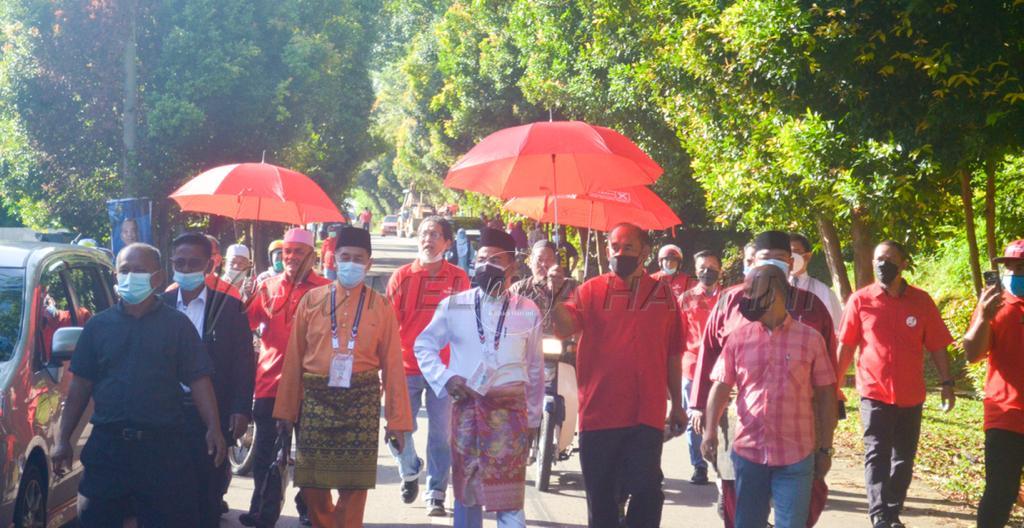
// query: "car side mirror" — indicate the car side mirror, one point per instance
point(64, 342)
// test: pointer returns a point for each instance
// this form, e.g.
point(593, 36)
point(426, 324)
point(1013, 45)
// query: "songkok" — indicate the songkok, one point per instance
point(354, 237)
point(298, 235)
point(772, 240)
point(497, 238)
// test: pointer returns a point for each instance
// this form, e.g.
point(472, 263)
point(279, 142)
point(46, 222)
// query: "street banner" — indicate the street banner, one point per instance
point(130, 221)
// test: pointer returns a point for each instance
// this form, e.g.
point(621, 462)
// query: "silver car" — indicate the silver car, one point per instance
point(47, 293)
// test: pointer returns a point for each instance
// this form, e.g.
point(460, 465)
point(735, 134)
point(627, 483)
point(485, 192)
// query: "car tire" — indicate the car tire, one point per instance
point(30, 506)
point(240, 453)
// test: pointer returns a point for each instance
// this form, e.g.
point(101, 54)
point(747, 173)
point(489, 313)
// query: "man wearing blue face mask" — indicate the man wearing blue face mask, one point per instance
point(670, 270)
point(131, 360)
point(997, 333)
point(221, 323)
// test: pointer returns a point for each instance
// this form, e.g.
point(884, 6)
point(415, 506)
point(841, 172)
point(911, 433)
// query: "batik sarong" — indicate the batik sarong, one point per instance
point(490, 447)
point(338, 439)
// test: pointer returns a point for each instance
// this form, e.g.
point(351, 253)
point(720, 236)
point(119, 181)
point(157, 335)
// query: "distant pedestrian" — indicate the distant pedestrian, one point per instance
point(802, 253)
point(670, 270)
point(276, 262)
point(366, 218)
point(327, 244)
point(522, 242)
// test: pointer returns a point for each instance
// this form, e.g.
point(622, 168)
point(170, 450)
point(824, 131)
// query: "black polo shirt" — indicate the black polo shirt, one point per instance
point(137, 365)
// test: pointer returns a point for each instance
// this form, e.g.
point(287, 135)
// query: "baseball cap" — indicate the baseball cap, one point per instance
point(1014, 252)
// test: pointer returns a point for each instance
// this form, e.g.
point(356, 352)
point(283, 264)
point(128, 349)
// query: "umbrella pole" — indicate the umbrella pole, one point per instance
point(586, 252)
point(554, 189)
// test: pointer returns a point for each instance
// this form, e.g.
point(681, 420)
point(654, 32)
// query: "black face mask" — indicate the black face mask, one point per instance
point(754, 309)
point(707, 277)
point(886, 271)
point(624, 265)
point(490, 278)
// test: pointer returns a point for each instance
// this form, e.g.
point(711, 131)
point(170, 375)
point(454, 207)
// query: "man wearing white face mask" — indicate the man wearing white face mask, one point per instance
point(344, 346)
point(415, 290)
point(670, 260)
point(798, 276)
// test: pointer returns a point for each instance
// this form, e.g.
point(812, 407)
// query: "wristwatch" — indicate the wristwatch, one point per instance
point(826, 451)
point(948, 383)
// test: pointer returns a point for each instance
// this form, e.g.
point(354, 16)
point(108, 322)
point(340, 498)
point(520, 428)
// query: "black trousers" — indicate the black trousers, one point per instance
point(263, 453)
point(150, 479)
point(211, 481)
point(891, 434)
point(622, 462)
point(1004, 461)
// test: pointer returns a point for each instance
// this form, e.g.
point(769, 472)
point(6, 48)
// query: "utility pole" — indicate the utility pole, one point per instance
point(130, 115)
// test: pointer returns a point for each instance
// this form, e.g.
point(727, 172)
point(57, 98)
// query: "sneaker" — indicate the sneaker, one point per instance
point(435, 508)
point(700, 476)
point(304, 520)
point(880, 521)
point(248, 519)
point(411, 488)
point(224, 508)
point(895, 522)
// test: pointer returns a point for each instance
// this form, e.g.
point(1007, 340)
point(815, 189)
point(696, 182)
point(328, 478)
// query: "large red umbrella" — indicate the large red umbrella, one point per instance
point(257, 191)
point(552, 158)
point(600, 210)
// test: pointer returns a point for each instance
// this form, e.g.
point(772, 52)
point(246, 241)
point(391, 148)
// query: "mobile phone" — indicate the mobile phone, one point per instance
point(393, 441)
point(992, 279)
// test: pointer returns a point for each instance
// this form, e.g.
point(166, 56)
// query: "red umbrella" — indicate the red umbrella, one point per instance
point(552, 158)
point(600, 210)
point(257, 191)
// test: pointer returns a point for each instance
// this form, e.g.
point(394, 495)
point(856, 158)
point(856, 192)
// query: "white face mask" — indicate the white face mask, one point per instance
point(799, 264)
point(669, 268)
point(426, 258)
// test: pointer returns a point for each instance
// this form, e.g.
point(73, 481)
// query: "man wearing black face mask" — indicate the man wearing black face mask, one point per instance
point(892, 322)
point(628, 355)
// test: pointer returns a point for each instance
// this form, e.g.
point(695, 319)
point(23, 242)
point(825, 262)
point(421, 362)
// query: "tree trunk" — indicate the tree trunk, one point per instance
point(130, 116)
point(834, 255)
point(990, 207)
point(863, 248)
point(967, 198)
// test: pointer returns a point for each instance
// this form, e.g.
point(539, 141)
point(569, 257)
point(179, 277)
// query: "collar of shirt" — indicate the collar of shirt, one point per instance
point(201, 299)
point(781, 328)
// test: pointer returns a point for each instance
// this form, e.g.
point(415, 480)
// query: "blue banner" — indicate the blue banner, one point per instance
point(130, 221)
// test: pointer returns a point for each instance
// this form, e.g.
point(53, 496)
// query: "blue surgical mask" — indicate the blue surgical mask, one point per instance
point(350, 274)
point(189, 281)
point(1014, 284)
point(774, 262)
point(133, 288)
point(668, 269)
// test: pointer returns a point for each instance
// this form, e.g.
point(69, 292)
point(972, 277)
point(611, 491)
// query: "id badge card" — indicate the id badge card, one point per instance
point(340, 375)
point(482, 379)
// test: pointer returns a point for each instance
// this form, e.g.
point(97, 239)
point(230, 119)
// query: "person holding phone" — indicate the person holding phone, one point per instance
point(997, 333)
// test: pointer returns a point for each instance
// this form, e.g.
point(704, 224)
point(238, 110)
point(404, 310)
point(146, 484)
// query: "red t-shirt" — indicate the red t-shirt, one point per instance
point(679, 281)
point(327, 253)
point(415, 294)
point(893, 334)
point(628, 337)
point(1004, 388)
point(695, 307)
point(271, 312)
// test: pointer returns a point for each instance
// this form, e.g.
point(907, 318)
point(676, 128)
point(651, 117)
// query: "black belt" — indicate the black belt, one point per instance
point(135, 433)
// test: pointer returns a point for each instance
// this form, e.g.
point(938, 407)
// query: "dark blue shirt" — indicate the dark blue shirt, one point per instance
point(137, 365)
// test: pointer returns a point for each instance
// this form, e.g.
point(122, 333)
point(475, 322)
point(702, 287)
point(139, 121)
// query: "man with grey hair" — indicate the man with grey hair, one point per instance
point(548, 284)
point(131, 360)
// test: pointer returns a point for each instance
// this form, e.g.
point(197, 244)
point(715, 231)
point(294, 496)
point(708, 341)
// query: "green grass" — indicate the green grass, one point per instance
point(950, 456)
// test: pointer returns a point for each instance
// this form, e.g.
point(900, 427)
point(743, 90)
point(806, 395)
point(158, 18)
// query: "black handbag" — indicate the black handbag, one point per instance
point(272, 491)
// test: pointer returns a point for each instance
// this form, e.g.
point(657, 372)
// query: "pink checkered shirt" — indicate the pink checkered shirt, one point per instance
point(774, 372)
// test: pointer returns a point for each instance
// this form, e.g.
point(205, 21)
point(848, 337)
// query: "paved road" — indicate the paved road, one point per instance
point(685, 504)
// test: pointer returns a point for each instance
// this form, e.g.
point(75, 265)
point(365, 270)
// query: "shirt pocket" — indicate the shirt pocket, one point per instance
point(512, 350)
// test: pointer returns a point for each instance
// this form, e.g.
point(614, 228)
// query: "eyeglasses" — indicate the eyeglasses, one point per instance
point(497, 260)
point(188, 263)
point(431, 235)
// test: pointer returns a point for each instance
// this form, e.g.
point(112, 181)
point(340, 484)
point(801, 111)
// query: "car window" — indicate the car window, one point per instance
point(90, 291)
point(12, 294)
point(55, 309)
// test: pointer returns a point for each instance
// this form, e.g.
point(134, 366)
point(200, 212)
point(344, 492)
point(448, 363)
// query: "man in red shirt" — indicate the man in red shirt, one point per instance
point(786, 400)
point(670, 270)
point(997, 332)
point(628, 350)
point(327, 245)
point(772, 248)
point(695, 306)
point(270, 316)
point(415, 290)
point(892, 323)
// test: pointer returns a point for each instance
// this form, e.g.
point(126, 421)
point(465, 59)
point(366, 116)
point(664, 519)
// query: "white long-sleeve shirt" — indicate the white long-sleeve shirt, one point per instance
point(519, 357)
point(825, 294)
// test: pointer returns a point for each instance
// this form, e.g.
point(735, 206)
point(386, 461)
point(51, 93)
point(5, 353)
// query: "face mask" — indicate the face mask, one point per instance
point(1014, 284)
point(490, 278)
point(782, 265)
point(624, 265)
point(669, 269)
point(426, 258)
point(351, 273)
point(754, 309)
point(799, 264)
point(189, 281)
point(232, 275)
point(133, 288)
point(886, 271)
point(746, 269)
point(278, 266)
point(708, 277)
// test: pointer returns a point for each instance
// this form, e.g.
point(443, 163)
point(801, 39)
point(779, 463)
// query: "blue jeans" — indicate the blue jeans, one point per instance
point(473, 517)
point(693, 438)
point(760, 485)
point(439, 454)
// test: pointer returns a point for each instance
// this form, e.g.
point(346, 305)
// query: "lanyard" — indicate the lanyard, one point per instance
point(480, 324)
point(355, 322)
